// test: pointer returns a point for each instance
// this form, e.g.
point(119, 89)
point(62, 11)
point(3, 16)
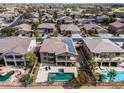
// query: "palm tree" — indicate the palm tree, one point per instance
point(31, 59)
point(93, 64)
point(112, 74)
point(34, 25)
point(36, 34)
point(101, 77)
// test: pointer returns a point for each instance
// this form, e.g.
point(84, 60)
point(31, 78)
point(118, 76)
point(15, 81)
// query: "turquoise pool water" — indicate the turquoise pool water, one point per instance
point(60, 76)
point(7, 76)
point(118, 77)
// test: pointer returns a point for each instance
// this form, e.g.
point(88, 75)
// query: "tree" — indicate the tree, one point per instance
point(25, 14)
point(93, 64)
point(82, 77)
point(27, 79)
point(67, 12)
point(35, 25)
point(107, 21)
point(58, 23)
point(55, 33)
point(8, 31)
point(112, 19)
point(36, 34)
point(55, 15)
point(92, 32)
point(101, 77)
point(112, 74)
point(31, 58)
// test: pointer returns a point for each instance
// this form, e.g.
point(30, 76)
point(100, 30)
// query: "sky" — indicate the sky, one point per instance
point(61, 1)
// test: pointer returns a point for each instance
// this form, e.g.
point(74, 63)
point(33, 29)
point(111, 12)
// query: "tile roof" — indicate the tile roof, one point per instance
point(117, 24)
point(102, 45)
point(47, 26)
point(14, 44)
point(58, 45)
point(24, 27)
point(91, 26)
point(69, 27)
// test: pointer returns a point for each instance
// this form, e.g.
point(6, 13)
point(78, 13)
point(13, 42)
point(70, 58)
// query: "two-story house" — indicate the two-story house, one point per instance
point(104, 51)
point(58, 52)
point(13, 49)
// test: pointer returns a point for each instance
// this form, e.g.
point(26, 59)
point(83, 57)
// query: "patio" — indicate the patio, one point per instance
point(16, 76)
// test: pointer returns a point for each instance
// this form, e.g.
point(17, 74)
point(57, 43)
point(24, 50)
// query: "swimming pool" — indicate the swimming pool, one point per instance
point(118, 77)
point(117, 39)
point(7, 76)
point(60, 76)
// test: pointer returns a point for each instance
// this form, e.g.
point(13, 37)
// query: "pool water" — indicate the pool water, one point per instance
point(117, 39)
point(60, 76)
point(7, 76)
point(118, 77)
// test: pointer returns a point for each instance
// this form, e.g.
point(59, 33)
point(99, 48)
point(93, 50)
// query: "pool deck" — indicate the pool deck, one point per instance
point(13, 78)
point(42, 75)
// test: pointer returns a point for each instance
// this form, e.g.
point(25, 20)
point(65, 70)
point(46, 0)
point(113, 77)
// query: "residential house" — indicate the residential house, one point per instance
point(58, 51)
point(23, 28)
point(66, 20)
point(8, 16)
point(103, 51)
point(116, 27)
point(47, 17)
point(46, 28)
point(69, 29)
point(13, 49)
point(89, 27)
point(119, 12)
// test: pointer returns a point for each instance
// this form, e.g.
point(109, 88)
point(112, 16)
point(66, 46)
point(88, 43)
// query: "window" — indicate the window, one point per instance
point(117, 54)
point(45, 54)
point(51, 59)
point(45, 58)
point(97, 55)
point(9, 56)
point(61, 57)
point(50, 54)
point(18, 56)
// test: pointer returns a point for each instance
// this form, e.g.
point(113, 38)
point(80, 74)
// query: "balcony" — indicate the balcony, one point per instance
point(114, 59)
point(66, 60)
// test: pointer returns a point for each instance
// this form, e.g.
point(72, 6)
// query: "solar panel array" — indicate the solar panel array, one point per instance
point(71, 47)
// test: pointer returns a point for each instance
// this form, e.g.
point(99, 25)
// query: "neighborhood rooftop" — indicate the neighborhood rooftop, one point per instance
point(117, 24)
point(47, 25)
point(70, 27)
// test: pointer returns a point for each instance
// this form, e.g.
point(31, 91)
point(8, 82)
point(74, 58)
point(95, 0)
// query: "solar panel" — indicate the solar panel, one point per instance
point(71, 47)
